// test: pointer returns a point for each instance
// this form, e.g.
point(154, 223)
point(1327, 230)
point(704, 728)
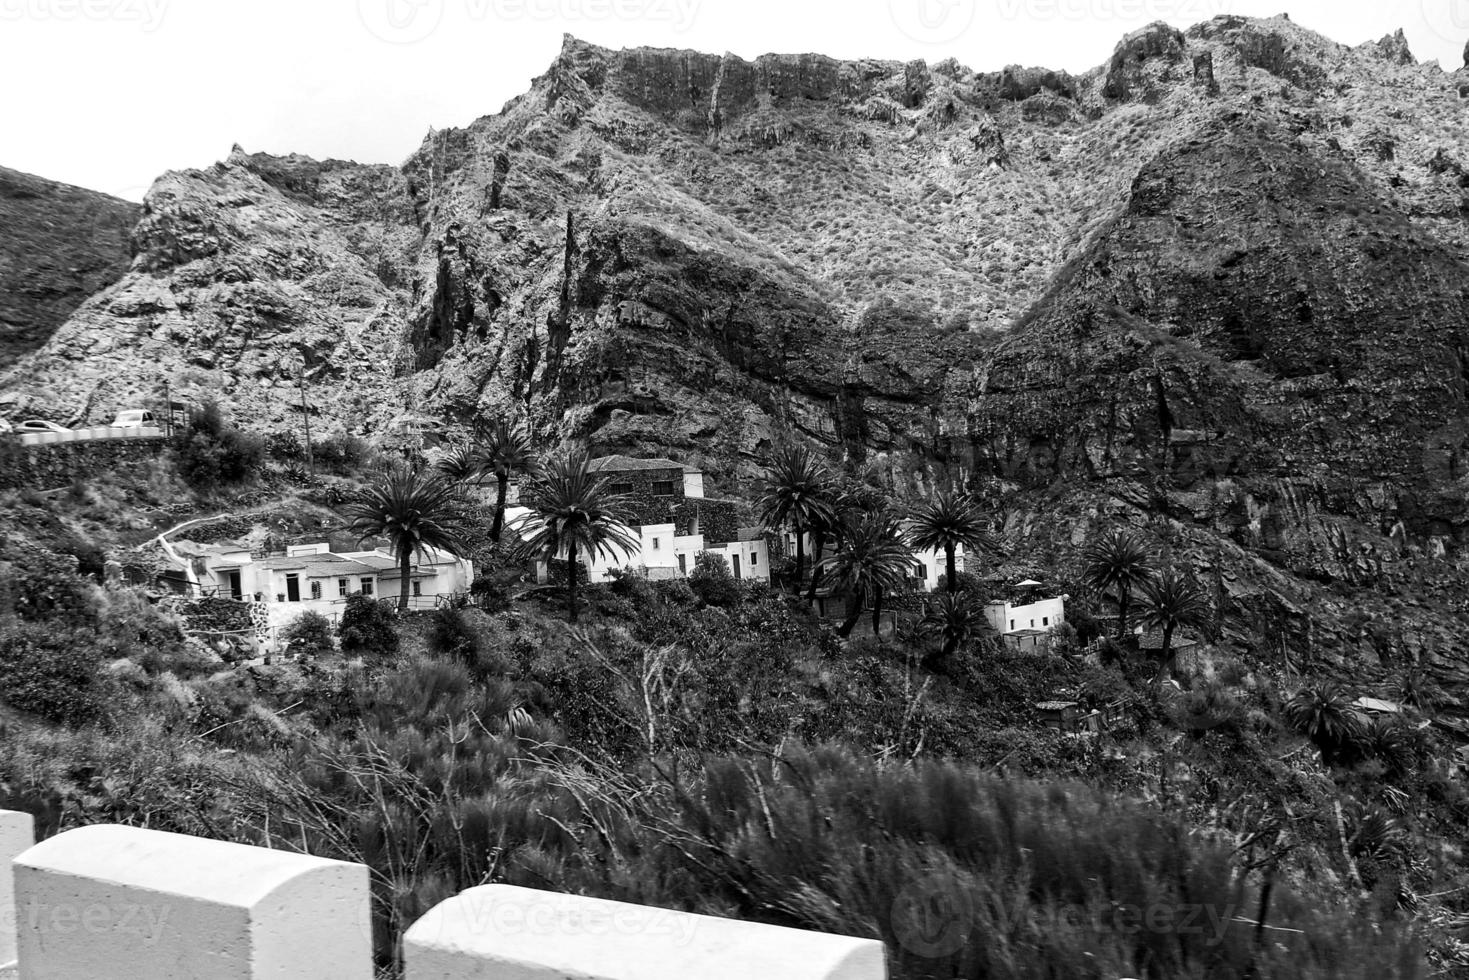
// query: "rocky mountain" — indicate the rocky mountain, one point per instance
point(1237, 251)
point(60, 245)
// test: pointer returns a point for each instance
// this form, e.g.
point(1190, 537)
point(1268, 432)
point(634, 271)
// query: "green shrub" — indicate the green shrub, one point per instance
point(341, 452)
point(451, 635)
point(52, 671)
point(284, 446)
point(675, 592)
point(712, 581)
point(309, 634)
point(367, 629)
point(37, 584)
point(213, 454)
point(489, 594)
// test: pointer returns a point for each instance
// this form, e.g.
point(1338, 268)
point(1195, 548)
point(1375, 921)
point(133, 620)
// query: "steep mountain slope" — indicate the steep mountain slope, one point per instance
point(1246, 233)
point(59, 245)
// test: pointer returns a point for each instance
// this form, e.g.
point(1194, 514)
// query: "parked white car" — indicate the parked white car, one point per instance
point(39, 425)
point(134, 418)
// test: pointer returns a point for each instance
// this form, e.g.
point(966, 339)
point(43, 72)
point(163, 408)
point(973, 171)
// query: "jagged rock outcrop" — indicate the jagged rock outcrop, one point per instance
point(1143, 62)
point(59, 245)
point(687, 253)
point(1393, 48)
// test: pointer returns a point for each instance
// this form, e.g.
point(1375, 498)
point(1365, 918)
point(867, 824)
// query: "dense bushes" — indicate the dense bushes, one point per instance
point(367, 629)
point(51, 671)
point(213, 454)
point(309, 634)
point(341, 452)
point(712, 581)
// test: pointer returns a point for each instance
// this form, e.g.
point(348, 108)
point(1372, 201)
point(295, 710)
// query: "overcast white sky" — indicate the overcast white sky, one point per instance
point(110, 93)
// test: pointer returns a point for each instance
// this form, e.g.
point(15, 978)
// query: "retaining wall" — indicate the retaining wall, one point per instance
point(108, 902)
point(49, 464)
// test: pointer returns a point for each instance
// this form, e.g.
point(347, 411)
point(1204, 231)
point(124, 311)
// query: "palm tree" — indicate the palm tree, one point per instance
point(460, 464)
point(822, 527)
point(571, 509)
point(415, 510)
point(1118, 560)
point(871, 558)
point(956, 618)
point(505, 450)
point(1173, 601)
point(1325, 716)
point(798, 490)
point(945, 524)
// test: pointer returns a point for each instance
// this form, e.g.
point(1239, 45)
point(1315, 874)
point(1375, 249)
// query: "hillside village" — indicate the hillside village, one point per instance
point(989, 524)
point(670, 522)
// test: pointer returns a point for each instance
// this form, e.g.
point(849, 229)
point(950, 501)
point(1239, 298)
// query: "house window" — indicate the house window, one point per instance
point(343, 588)
point(754, 559)
point(366, 586)
point(418, 588)
point(622, 489)
point(1032, 624)
point(1012, 624)
point(1045, 620)
point(922, 572)
point(315, 590)
point(663, 488)
point(655, 544)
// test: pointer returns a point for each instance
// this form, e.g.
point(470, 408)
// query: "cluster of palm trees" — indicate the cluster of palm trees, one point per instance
point(873, 551)
point(417, 508)
point(572, 511)
point(1119, 563)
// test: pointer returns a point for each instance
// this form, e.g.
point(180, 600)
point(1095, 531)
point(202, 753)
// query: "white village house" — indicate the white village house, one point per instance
point(311, 577)
point(1026, 626)
point(673, 523)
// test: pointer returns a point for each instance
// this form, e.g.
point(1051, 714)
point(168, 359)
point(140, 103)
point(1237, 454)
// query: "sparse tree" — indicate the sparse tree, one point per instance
point(572, 509)
point(1117, 560)
point(1171, 602)
point(415, 510)
point(947, 523)
point(798, 491)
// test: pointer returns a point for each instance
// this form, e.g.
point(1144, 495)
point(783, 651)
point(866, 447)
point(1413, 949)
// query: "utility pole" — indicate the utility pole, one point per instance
point(306, 419)
point(167, 410)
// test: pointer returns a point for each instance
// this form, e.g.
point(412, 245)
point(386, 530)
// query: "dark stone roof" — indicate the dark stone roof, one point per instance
point(629, 464)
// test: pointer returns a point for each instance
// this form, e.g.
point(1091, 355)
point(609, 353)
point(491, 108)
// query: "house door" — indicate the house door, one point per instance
point(734, 562)
point(683, 568)
point(293, 589)
point(235, 585)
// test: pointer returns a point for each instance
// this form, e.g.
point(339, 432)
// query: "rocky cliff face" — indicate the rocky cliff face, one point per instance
point(59, 245)
point(1242, 244)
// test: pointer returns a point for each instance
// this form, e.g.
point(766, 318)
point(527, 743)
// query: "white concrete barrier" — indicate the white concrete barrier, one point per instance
point(511, 933)
point(17, 833)
point(128, 904)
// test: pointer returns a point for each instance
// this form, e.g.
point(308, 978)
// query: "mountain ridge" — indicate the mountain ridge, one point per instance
point(823, 246)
